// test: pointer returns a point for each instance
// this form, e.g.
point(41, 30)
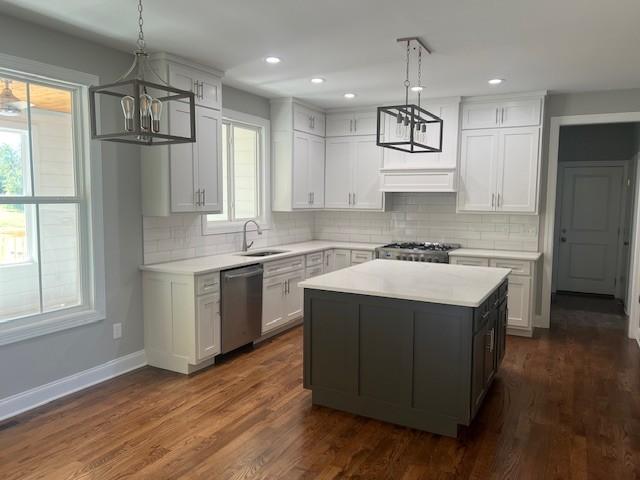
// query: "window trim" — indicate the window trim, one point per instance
point(89, 183)
point(264, 125)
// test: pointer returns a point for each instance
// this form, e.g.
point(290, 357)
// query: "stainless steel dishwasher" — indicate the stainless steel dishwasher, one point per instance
point(241, 306)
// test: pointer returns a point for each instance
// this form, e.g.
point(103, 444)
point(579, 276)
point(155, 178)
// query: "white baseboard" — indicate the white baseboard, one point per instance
point(23, 401)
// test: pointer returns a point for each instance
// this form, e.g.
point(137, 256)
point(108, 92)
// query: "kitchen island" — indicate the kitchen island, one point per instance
point(414, 344)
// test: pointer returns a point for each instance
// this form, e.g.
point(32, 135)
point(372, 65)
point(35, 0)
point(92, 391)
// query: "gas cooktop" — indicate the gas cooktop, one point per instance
point(417, 252)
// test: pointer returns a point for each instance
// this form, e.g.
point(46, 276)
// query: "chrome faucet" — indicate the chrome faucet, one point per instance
point(246, 247)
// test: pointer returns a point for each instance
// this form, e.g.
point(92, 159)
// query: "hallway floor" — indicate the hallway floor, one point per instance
point(565, 405)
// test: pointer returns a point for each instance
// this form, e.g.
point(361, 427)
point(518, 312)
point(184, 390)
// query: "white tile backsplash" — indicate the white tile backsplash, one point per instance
point(411, 216)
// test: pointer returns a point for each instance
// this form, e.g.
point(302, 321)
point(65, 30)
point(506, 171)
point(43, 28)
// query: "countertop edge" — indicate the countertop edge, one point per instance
point(507, 254)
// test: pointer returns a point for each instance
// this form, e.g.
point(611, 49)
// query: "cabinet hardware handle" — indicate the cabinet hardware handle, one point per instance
point(502, 119)
point(493, 199)
point(498, 200)
point(202, 90)
point(351, 125)
point(197, 197)
point(355, 125)
point(287, 287)
point(204, 197)
point(349, 199)
point(313, 198)
point(354, 198)
point(496, 116)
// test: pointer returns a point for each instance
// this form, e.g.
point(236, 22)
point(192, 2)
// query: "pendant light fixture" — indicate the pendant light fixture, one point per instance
point(141, 102)
point(410, 127)
point(9, 103)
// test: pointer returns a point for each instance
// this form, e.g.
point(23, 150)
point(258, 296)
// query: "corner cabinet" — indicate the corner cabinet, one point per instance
point(500, 167)
point(298, 156)
point(187, 177)
point(352, 173)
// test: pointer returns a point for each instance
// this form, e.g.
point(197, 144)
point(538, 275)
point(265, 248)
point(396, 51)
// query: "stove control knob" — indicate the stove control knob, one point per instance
point(435, 260)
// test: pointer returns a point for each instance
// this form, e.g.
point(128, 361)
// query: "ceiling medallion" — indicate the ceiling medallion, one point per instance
point(410, 127)
point(141, 103)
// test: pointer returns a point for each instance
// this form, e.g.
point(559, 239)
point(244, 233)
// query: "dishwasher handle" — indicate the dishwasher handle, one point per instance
point(243, 274)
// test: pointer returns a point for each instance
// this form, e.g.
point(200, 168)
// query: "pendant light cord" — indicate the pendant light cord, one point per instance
point(406, 82)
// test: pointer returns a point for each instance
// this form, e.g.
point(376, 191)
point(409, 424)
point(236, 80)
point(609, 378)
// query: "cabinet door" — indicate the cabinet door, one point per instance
point(273, 298)
point(360, 256)
point(480, 115)
point(489, 348)
point(329, 261)
point(205, 87)
point(469, 261)
point(294, 297)
point(518, 170)
point(182, 78)
point(520, 113)
point(315, 171)
point(301, 152)
point(519, 301)
point(501, 333)
point(208, 325)
point(339, 124)
point(182, 162)
point(365, 123)
point(209, 153)
point(477, 371)
point(338, 172)
point(367, 162)
point(318, 123)
point(478, 164)
point(341, 259)
point(302, 118)
point(209, 90)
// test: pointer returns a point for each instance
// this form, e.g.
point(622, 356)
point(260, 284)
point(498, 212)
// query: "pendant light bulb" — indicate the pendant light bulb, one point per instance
point(156, 113)
point(145, 112)
point(128, 106)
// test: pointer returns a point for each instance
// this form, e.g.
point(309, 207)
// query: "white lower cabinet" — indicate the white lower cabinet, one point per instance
point(341, 259)
point(181, 320)
point(520, 303)
point(360, 256)
point(281, 295)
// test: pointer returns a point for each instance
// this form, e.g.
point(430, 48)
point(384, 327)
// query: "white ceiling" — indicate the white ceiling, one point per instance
point(559, 45)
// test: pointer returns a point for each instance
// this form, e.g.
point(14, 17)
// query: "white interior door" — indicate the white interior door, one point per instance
point(478, 170)
point(589, 228)
point(367, 162)
point(338, 172)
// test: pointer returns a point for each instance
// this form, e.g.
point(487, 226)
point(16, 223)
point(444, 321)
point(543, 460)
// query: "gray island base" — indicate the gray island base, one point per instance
point(418, 364)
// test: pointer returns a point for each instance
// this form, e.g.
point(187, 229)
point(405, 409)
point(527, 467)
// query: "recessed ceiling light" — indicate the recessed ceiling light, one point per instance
point(496, 81)
point(272, 60)
point(317, 80)
point(349, 95)
point(417, 88)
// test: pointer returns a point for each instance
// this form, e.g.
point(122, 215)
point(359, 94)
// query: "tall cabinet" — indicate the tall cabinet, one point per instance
point(186, 178)
point(298, 155)
point(500, 155)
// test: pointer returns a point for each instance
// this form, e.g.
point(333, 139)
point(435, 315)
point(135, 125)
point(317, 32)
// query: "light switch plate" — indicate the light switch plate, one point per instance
point(117, 331)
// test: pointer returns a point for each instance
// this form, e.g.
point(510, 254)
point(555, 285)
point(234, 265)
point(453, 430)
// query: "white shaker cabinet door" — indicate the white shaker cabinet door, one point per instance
point(341, 259)
point(518, 170)
point(315, 171)
point(294, 296)
point(301, 153)
point(273, 298)
point(209, 153)
point(208, 325)
point(367, 162)
point(478, 169)
point(183, 162)
point(338, 173)
point(518, 302)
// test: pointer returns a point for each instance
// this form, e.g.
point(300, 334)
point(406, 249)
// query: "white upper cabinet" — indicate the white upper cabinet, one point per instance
point(500, 166)
point(186, 178)
point(298, 156)
point(352, 178)
point(351, 123)
point(308, 171)
point(512, 113)
point(206, 88)
point(308, 120)
point(499, 170)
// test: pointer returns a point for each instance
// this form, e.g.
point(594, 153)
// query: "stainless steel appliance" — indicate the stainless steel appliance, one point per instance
point(241, 306)
point(417, 252)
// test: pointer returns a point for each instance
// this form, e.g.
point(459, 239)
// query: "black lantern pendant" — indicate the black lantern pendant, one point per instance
point(409, 127)
point(141, 104)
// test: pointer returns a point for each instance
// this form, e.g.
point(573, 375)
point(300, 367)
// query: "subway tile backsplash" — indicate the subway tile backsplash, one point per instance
point(409, 216)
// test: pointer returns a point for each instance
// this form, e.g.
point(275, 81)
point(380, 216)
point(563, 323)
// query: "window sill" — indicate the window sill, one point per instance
point(12, 331)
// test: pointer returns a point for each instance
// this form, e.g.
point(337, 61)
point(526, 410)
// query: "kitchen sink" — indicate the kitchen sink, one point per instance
point(263, 253)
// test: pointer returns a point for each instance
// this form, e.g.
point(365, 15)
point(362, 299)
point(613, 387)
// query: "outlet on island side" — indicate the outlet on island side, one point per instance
point(117, 331)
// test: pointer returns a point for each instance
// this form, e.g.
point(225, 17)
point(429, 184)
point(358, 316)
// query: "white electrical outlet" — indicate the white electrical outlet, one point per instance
point(117, 330)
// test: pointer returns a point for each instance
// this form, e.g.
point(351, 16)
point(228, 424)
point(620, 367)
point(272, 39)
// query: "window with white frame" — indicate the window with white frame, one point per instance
point(244, 173)
point(46, 268)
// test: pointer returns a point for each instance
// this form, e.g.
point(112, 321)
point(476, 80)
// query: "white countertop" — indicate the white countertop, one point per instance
point(213, 263)
point(510, 254)
point(425, 282)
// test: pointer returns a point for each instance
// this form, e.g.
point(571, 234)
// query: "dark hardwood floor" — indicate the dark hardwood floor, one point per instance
point(565, 405)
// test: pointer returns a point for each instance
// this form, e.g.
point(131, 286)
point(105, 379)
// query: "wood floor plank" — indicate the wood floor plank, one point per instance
point(565, 405)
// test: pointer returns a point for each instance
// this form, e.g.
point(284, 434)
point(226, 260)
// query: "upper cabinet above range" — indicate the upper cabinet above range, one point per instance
point(479, 113)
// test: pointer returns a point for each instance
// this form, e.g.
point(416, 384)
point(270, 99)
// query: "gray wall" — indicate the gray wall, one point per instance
point(592, 143)
point(245, 102)
point(34, 362)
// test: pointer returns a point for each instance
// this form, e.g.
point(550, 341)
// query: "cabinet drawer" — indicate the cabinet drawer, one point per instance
point(283, 266)
point(314, 271)
point(518, 267)
point(471, 261)
point(315, 259)
point(208, 283)
point(360, 256)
